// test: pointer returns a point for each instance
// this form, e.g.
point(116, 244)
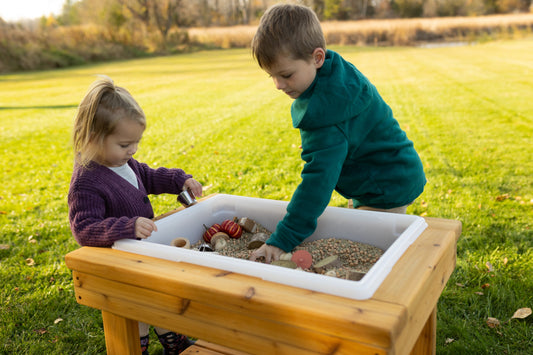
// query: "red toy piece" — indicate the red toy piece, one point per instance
point(209, 232)
point(302, 258)
point(232, 228)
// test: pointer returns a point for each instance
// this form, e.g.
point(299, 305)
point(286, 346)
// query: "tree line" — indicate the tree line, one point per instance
point(162, 15)
point(100, 30)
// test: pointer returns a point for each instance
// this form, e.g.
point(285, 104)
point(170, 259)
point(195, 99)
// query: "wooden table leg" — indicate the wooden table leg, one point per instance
point(121, 335)
point(427, 340)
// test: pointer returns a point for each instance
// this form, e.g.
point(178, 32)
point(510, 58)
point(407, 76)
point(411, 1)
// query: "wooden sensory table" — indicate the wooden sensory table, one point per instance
point(234, 314)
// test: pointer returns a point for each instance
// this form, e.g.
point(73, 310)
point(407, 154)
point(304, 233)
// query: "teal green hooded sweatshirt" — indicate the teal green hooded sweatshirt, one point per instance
point(351, 143)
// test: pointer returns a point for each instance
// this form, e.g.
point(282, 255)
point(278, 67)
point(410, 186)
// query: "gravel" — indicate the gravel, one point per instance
point(353, 255)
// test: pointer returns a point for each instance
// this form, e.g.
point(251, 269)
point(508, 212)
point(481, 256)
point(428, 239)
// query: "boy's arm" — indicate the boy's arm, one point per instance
point(324, 151)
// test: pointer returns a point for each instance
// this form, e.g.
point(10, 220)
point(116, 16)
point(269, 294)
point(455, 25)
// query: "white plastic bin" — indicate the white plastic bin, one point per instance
point(390, 232)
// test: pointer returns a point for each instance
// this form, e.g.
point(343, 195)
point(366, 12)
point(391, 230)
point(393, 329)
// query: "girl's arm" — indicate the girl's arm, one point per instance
point(90, 227)
point(160, 180)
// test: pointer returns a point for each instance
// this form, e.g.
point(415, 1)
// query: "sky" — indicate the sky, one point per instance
point(13, 10)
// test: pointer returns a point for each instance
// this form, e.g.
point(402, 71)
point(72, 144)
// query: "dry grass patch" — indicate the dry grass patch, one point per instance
point(223, 37)
point(385, 32)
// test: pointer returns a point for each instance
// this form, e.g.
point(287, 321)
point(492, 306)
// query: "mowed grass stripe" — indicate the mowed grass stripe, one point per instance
point(217, 115)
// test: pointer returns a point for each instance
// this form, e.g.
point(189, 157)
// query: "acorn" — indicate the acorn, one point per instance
point(219, 240)
point(209, 232)
point(231, 228)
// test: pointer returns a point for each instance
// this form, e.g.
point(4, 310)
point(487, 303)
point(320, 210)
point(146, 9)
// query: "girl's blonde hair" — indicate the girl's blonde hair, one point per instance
point(102, 107)
point(287, 29)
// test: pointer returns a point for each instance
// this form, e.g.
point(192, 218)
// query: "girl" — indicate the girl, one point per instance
point(108, 196)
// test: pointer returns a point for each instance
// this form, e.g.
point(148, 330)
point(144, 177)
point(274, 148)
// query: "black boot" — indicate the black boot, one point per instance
point(145, 340)
point(173, 343)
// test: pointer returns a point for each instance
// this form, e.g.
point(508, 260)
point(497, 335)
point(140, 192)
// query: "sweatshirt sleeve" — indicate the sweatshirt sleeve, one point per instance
point(160, 180)
point(88, 224)
point(324, 151)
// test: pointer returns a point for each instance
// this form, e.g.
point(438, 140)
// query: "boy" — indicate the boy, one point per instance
point(351, 142)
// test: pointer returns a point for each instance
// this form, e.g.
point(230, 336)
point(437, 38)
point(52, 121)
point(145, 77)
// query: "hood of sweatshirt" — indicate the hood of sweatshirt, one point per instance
point(338, 93)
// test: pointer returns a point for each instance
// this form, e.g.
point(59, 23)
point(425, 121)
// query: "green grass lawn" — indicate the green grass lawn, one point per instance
point(469, 111)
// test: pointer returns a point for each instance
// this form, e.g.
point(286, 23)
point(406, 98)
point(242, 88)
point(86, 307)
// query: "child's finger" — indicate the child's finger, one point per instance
point(144, 227)
point(268, 255)
point(197, 190)
point(151, 226)
point(194, 186)
point(258, 253)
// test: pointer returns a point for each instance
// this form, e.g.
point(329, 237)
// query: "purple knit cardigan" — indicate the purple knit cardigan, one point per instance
point(103, 206)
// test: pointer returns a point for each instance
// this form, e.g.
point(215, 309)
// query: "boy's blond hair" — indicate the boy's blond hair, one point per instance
point(287, 29)
point(102, 107)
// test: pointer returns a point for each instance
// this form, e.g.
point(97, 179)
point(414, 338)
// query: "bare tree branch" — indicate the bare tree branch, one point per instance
point(140, 12)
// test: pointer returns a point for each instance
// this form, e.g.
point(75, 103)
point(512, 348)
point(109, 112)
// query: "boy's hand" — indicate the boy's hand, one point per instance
point(144, 227)
point(194, 186)
point(270, 253)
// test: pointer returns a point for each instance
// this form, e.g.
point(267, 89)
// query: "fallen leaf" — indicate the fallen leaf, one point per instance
point(493, 322)
point(460, 284)
point(489, 266)
point(485, 286)
point(30, 262)
point(449, 340)
point(505, 260)
point(40, 331)
point(522, 313)
point(502, 197)
point(479, 293)
point(58, 320)
point(4, 246)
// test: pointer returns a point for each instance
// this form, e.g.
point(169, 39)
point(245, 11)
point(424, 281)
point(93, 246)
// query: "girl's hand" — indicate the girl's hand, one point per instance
point(194, 186)
point(144, 227)
point(270, 253)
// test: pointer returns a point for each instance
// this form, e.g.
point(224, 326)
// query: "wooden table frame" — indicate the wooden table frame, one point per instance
point(261, 317)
